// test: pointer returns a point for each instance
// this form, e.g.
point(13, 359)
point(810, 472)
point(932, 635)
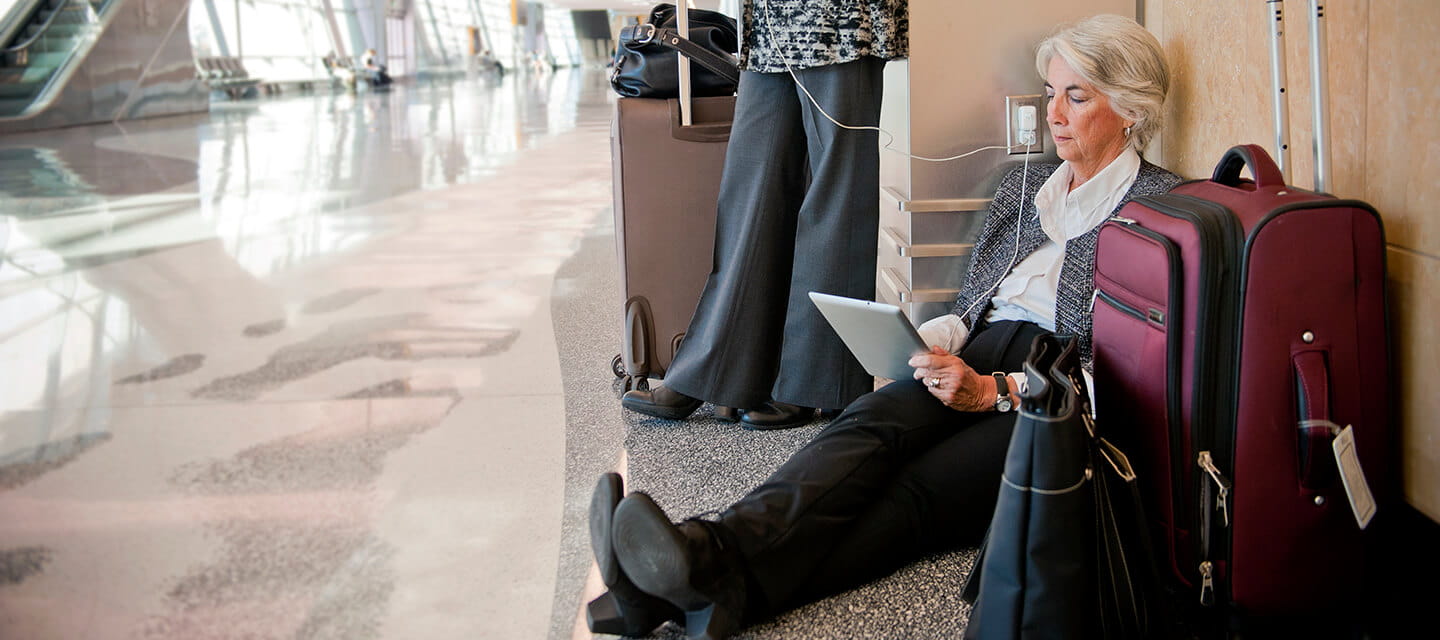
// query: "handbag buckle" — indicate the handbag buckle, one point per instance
point(644, 33)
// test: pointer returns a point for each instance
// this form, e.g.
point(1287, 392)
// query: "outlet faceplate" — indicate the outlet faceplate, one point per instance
point(1012, 122)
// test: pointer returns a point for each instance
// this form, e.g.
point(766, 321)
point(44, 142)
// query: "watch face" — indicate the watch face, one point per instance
point(1004, 404)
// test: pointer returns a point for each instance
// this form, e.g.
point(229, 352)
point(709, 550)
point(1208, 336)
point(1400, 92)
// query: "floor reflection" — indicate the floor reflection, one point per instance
point(237, 343)
point(256, 188)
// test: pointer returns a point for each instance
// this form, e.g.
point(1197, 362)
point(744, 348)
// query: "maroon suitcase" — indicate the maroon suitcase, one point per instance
point(1234, 322)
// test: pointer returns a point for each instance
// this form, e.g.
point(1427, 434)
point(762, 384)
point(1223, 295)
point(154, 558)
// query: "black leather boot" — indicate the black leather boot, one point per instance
point(776, 415)
point(624, 610)
point(661, 402)
point(689, 565)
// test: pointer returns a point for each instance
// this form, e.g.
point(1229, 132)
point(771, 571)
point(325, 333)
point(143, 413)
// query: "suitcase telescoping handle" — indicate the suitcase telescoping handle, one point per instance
point(1248, 155)
point(1315, 430)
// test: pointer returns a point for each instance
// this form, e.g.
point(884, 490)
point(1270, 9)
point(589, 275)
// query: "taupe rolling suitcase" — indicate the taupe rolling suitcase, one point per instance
point(667, 183)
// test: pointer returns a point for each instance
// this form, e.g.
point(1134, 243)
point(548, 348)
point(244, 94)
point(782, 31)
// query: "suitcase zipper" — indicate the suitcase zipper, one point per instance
point(1215, 438)
point(1128, 309)
point(1207, 569)
point(1207, 583)
point(1222, 496)
point(1213, 407)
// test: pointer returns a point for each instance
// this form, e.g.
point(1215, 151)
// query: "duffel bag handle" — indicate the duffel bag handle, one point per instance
point(1248, 155)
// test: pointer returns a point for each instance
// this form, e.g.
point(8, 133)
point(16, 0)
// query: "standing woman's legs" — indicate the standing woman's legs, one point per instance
point(835, 239)
point(731, 350)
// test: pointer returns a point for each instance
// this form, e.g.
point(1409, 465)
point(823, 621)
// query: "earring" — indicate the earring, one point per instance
point(1127, 132)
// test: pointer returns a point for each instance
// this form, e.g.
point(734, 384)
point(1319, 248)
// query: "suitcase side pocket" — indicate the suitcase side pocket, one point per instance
point(1137, 367)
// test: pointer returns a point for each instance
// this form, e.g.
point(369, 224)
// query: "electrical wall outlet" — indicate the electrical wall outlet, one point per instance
point(1013, 127)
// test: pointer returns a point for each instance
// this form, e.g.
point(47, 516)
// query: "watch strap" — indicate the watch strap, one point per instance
point(1002, 391)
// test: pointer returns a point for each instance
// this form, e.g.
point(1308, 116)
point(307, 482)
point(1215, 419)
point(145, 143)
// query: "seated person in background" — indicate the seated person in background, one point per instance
point(374, 71)
point(914, 467)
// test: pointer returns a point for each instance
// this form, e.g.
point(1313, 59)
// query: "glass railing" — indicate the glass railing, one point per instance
point(13, 15)
point(43, 50)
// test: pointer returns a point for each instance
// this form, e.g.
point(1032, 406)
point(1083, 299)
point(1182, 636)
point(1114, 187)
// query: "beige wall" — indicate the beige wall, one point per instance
point(1384, 58)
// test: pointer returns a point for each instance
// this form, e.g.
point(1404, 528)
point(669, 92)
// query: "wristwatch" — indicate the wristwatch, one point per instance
point(1003, 400)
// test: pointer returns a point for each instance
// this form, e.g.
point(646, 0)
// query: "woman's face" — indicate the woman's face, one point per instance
point(1087, 132)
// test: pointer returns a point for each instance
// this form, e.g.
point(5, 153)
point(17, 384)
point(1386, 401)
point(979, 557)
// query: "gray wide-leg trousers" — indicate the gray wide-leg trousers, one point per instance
point(797, 213)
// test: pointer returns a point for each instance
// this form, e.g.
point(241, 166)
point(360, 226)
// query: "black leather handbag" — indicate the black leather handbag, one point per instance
point(646, 66)
point(1067, 555)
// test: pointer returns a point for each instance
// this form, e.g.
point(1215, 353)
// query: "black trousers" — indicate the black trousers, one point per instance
point(798, 212)
point(895, 476)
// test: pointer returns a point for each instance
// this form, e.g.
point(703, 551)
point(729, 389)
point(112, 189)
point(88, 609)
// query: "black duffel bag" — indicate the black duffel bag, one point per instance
point(646, 66)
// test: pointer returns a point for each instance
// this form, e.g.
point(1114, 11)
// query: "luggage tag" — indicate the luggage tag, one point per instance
point(1362, 502)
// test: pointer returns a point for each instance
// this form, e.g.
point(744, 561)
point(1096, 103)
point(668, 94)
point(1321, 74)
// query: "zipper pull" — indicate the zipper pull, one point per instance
point(1094, 295)
point(1207, 583)
point(1222, 498)
point(1124, 220)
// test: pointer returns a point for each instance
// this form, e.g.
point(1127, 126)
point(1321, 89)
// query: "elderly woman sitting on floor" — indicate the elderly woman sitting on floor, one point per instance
point(915, 466)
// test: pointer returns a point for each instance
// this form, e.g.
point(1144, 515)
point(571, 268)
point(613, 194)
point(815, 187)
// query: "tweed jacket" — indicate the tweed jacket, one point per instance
point(993, 247)
point(815, 33)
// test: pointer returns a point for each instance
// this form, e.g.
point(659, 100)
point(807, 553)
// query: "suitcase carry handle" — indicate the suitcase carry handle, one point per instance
point(1315, 430)
point(1248, 155)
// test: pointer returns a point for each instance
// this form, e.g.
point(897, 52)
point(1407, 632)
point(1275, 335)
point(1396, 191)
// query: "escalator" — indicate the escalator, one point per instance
point(43, 41)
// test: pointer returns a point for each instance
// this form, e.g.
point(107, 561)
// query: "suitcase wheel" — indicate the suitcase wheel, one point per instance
point(618, 366)
point(635, 383)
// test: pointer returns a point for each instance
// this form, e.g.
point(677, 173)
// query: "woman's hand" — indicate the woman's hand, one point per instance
point(953, 382)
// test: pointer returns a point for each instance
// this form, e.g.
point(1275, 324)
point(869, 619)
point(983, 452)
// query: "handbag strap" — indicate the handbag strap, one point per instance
point(642, 34)
point(970, 591)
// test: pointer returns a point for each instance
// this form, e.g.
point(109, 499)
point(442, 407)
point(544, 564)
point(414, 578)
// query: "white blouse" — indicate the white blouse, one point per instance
point(1028, 291)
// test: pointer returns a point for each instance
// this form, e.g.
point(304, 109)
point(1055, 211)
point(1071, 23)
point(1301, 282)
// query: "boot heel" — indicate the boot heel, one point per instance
point(612, 616)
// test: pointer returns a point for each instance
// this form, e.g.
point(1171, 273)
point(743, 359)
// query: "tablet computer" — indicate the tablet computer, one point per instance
point(879, 334)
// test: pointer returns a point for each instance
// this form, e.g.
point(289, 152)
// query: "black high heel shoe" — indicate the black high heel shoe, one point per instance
point(776, 415)
point(661, 402)
point(690, 565)
point(624, 609)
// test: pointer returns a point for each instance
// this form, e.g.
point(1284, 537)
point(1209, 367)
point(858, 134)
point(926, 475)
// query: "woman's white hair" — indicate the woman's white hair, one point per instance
point(1120, 59)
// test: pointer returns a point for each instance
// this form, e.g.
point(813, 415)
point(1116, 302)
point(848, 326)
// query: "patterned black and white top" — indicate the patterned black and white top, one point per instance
point(814, 33)
point(996, 243)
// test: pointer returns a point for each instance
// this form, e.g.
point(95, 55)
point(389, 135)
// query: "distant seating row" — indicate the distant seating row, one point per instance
point(225, 73)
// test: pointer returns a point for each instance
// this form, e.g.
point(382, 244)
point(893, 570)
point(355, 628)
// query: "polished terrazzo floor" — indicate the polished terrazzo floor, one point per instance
point(337, 366)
